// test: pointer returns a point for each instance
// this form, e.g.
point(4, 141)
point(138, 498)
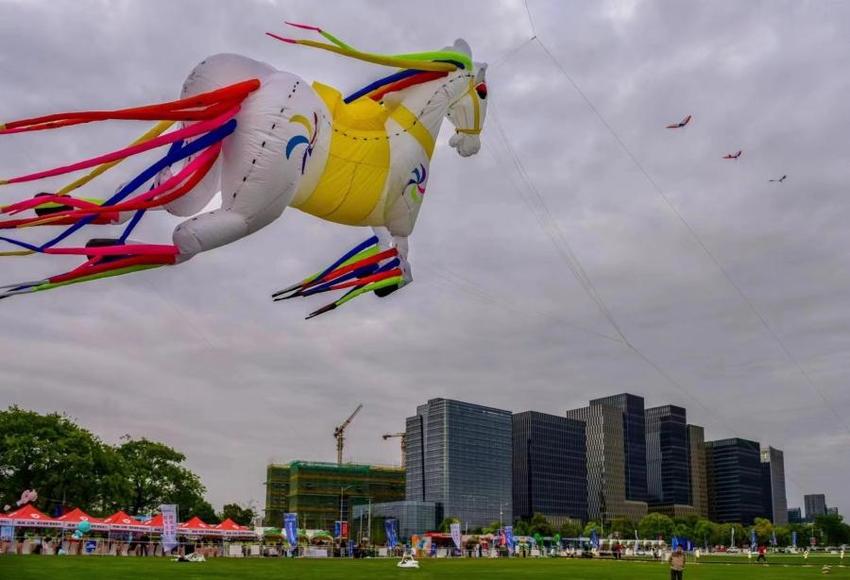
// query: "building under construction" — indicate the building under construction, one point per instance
point(322, 493)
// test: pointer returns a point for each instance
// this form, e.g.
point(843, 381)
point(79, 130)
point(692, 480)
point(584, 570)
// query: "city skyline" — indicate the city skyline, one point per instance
point(461, 458)
point(698, 490)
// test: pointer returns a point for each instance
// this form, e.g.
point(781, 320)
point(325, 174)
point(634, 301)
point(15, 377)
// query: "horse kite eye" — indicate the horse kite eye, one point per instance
point(481, 89)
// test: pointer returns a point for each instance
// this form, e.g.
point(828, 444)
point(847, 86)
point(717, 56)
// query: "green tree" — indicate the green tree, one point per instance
point(540, 525)
point(589, 527)
point(656, 525)
point(622, 528)
point(156, 475)
point(521, 528)
point(492, 528)
point(63, 462)
point(705, 531)
point(198, 506)
point(234, 511)
point(783, 535)
point(570, 529)
point(445, 525)
point(835, 531)
point(764, 530)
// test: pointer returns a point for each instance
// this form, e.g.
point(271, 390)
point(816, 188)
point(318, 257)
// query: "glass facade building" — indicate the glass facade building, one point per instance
point(549, 467)
point(773, 486)
point(458, 455)
point(734, 480)
point(795, 516)
point(696, 465)
point(815, 505)
point(667, 456)
point(606, 464)
point(414, 517)
point(634, 439)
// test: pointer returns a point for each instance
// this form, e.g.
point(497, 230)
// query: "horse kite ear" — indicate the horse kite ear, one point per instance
point(461, 45)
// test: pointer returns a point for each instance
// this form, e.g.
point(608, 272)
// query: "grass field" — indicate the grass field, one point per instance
point(105, 568)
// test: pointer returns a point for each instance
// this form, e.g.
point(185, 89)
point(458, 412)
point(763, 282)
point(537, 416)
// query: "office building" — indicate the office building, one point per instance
point(634, 441)
point(697, 469)
point(549, 467)
point(795, 516)
point(605, 433)
point(815, 506)
point(458, 455)
point(322, 493)
point(667, 456)
point(773, 486)
point(734, 480)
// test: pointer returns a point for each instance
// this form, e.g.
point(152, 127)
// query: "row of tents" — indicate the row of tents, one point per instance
point(30, 517)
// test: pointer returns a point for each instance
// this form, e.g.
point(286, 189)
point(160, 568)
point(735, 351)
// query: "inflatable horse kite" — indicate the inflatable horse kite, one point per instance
point(266, 139)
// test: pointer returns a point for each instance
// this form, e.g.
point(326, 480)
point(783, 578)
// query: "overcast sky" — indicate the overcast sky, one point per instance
point(197, 355)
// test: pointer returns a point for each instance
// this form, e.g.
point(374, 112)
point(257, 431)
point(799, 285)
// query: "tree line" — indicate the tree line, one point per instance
point(826, 530)
point(71, 467)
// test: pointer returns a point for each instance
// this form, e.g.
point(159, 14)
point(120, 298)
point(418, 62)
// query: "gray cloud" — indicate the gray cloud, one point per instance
point(197, 355)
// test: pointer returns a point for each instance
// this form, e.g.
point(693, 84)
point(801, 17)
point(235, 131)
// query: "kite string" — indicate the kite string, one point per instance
point(692, 232)
point(550, 225)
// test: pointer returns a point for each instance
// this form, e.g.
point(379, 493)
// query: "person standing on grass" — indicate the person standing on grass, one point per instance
point(677, 564)
point(762, 555)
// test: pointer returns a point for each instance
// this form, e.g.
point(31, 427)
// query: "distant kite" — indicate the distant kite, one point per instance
point(780, 180)
point(733, 156)
point(680, 124)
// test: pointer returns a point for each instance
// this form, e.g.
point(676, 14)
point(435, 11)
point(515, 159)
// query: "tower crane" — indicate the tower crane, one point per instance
point(339, 433)
point(403, 437)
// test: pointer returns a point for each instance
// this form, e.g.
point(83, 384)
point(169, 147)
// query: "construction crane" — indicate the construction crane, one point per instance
point(403, 437)
point(339, 433)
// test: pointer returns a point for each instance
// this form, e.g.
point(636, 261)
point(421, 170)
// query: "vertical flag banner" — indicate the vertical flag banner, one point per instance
point(594, 539)
point(343, 528)
point(455, 529)
point(732, 543)
point(753, 539)
point(169, 526)
point(7, 533)
point(337, 529)
point(509, 537)
point(390, 529)
point(794, 539)
point(690, 547)
point(773, 541)
point(290, 525)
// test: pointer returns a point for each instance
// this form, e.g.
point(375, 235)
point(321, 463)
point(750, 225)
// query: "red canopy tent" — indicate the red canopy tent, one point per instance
point(230, 528)
point(121, 522)
point(197, 527)
point(29, 516)
point(154, 524)
point(74, 517)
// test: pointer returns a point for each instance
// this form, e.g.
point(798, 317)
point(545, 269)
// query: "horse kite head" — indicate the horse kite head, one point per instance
point(468, 111)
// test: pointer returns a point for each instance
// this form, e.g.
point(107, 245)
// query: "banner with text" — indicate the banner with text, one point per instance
point(169, 526)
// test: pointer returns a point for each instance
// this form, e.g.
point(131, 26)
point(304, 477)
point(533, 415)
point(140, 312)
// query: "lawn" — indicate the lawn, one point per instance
point(106, 568)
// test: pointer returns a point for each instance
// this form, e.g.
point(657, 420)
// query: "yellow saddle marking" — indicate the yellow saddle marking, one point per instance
point(358, 161)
